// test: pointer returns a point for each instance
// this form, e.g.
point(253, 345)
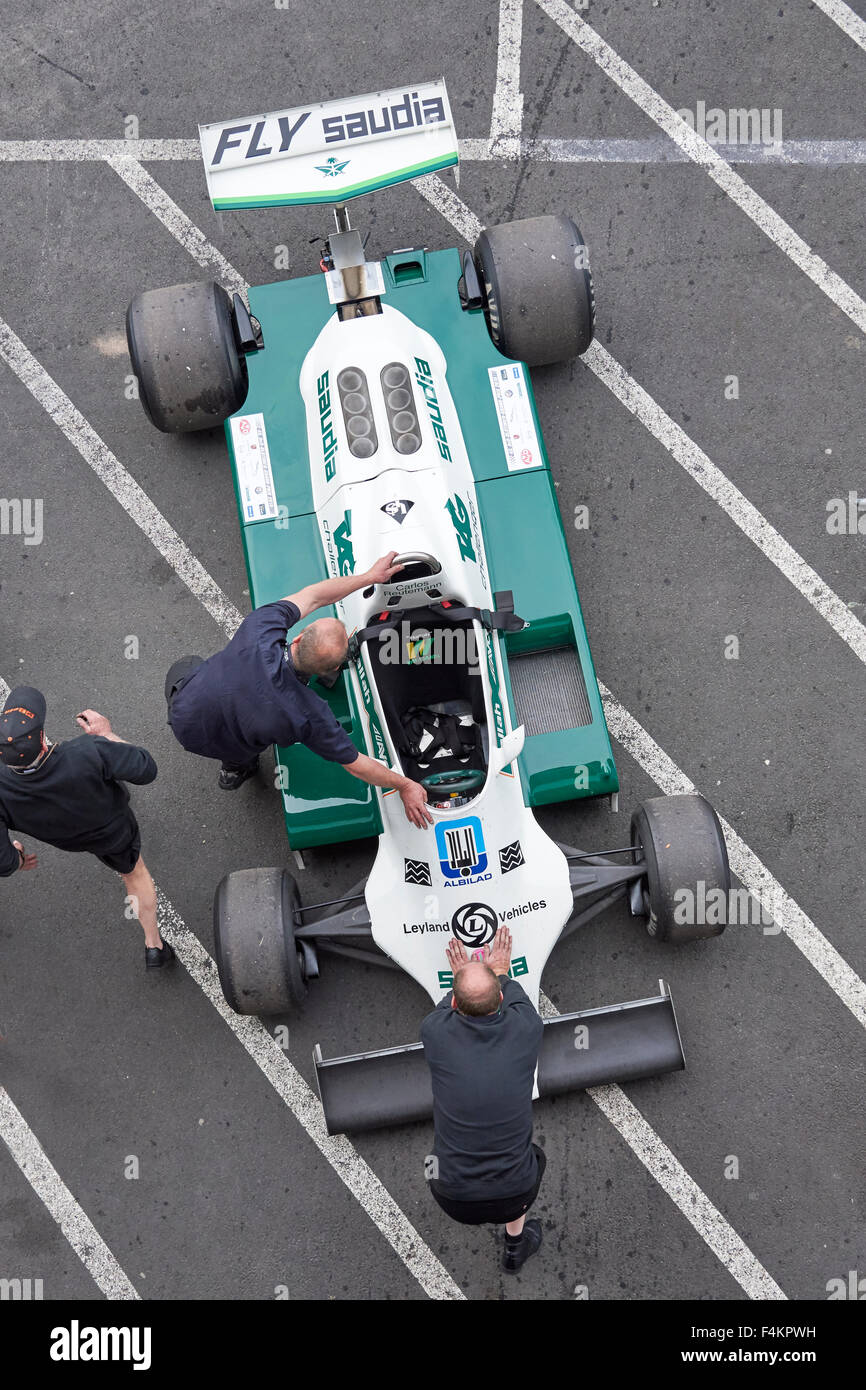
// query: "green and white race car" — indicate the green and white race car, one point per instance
point(386, 405)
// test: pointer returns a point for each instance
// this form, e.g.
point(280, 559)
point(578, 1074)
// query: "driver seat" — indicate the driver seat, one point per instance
point(445, 696)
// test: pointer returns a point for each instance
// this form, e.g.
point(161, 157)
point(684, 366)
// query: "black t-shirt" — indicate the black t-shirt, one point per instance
point(482, 1070)
point(249, 696)
point(75, 799)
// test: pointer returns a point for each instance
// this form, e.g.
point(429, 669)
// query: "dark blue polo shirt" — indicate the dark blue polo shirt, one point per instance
point(482, 1071)
point(249, 696)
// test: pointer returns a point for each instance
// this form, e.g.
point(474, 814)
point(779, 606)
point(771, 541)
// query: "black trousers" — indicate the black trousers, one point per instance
point(497, 1209)
point(178, 675)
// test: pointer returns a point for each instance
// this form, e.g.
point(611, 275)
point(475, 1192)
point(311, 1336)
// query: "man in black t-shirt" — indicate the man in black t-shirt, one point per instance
point(71, 795)
point(255, 691)
point(481, 1043)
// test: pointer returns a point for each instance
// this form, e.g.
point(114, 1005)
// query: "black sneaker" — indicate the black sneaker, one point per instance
point(519, 1248)
point(233, 777)
point(157, 956)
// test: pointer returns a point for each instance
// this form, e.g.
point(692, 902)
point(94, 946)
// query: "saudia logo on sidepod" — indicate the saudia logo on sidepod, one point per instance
point(424, 378)
point(326, 424)
point(462, 854)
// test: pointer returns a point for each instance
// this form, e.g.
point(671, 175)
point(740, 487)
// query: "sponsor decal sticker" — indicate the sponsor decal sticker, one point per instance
point(462, 855)
point(474, 924)
point(333, 168)
point(424, 378)
point(380, 747)
point(518, 967)
point(495, 696)
point(326, 424)
point(511, 857)
point(462, 522)
point(514, 412)
point(399, 509)
point(417, 871)
point(253, 468)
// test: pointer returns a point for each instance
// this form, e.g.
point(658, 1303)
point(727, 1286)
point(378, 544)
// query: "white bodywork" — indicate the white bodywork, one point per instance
point(488, 863)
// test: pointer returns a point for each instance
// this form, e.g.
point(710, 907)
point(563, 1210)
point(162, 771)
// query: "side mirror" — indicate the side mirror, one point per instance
point(510, 748)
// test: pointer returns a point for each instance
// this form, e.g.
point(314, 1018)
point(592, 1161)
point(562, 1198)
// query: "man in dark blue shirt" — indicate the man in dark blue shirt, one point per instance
point(255, 691)
point(71, 795)
point(481, 1043)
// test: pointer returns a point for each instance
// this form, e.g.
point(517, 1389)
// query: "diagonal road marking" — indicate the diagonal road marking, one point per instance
point(154, 197)
point(844, 16)
point(686, 452)
point(824, 957)
point(290, 1086)
point(49, 1187)
point(699, 150)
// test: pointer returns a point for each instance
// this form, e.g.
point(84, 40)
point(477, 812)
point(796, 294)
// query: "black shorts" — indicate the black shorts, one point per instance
point(497, 1209)
point(124, 860)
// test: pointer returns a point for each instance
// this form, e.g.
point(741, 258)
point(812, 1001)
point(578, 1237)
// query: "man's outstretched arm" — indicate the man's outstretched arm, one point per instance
point(412, 794)
point(328, 591)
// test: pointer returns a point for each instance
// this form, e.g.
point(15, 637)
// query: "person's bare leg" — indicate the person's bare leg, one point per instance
point(515, 1228)
point(140, 888)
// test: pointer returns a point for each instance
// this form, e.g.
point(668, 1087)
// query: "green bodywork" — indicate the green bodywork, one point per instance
point(522, 528)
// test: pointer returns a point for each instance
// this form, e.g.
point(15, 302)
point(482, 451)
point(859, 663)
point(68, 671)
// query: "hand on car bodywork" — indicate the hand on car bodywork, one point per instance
point(414, 798)
point(457, 954)
point(498, 954)
point(383, 570)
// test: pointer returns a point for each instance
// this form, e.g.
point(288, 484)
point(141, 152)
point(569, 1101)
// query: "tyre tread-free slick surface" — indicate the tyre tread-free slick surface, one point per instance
point(182, 346)
point(539, 300)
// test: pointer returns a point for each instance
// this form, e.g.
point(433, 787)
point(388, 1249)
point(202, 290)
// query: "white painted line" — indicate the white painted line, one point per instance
point(507, 115)
point(738, 507)
point(801, 930)
point(170, 215)
point(764, 217)
point(12, 151)
point(663, 1165)
point(293, 1090)
point(754, 875)
point(745, 1263)
point(656, 1157)
point(111, 472)
point(844, 16)
point(623, 726)
point(46, 1182)
point(729, 1248)
point(656, 149)
point(687, 453)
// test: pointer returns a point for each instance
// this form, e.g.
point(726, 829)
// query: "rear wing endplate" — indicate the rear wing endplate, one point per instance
point(329, 152)
point(621, 1042)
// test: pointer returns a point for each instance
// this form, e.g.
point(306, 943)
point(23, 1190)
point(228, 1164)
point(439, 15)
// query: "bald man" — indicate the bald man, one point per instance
point(255, 692)
point(481, 1043)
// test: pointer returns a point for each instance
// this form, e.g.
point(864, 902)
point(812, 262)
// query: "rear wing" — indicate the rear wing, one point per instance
point(330, 152)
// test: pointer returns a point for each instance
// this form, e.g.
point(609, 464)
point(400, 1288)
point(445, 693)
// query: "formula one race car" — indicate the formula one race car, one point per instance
point(386, 405)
